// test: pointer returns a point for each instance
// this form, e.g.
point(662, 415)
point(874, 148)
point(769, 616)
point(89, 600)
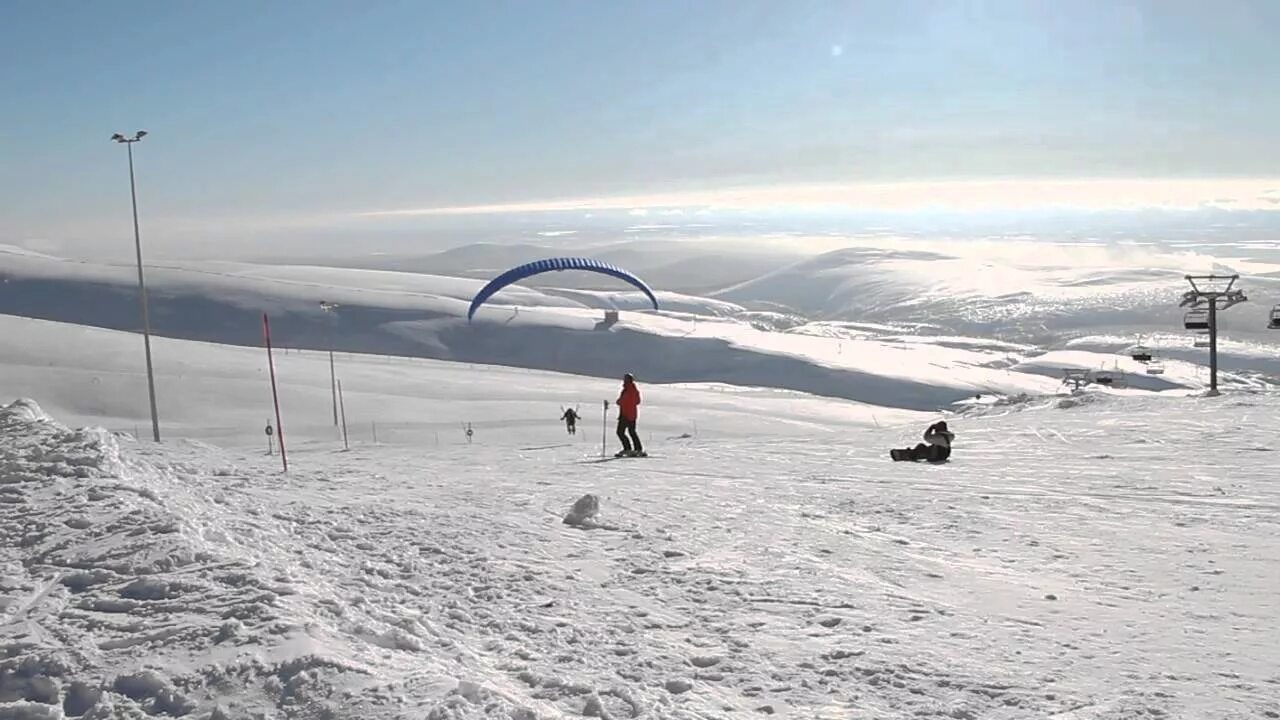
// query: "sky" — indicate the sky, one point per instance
point(293, 116)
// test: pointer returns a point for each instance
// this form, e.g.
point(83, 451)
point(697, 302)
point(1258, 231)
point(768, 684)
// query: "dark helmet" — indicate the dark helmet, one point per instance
point(628, 378)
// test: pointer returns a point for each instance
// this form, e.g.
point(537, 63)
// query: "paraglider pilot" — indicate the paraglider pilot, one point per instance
point(628, 412)
point(935, 448)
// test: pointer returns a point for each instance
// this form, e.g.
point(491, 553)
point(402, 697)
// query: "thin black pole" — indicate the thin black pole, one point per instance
point(328, 309)
point(275, 395)
point(333, 385)
point(1213, 345)
point(604, 422)
point(345, 445)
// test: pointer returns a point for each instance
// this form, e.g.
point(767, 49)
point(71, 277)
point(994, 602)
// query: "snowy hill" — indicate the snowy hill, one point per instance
point(912, 359)
point(1022, 289)
point(1075, 559)
point(685, 266)
point(222, 393)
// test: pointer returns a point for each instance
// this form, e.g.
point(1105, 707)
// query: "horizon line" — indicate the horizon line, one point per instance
point(1255, 193)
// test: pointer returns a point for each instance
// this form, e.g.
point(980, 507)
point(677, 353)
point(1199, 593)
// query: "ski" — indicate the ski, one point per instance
point(611, 458)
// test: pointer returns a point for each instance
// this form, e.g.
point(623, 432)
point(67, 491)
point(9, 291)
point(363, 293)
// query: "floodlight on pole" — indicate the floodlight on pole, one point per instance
point(1214, 301)
point(142, 285)
point(329, 309)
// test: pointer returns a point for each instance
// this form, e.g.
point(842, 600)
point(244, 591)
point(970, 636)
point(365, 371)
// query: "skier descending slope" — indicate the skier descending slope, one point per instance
point(628, 412)
point(570, 418)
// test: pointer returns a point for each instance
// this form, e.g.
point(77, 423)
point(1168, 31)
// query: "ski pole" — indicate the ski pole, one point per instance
point(604, 422)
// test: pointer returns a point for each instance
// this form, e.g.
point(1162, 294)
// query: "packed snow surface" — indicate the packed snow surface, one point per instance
point(1089, 556)
point(1103, 555)
point(223, 393)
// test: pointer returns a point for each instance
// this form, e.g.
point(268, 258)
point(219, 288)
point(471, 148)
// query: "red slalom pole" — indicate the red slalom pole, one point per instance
point(275, 397)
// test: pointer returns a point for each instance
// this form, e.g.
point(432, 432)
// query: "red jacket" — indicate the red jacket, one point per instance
point(629, 402)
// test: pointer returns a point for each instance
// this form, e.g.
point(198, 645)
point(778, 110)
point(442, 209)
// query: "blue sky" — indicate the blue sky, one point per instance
point(291, 112)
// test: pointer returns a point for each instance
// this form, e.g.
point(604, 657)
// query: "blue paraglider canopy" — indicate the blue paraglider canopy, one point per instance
point(540, 266)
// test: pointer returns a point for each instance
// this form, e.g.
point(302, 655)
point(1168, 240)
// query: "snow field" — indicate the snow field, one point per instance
point(222, 394)
point(1107, 557)
point(866, 298)
point(1098, 556)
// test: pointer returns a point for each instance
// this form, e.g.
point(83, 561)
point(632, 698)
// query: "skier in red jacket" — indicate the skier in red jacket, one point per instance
point(628, 411)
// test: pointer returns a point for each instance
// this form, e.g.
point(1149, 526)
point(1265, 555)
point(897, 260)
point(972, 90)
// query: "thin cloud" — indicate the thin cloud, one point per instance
point(960, 196)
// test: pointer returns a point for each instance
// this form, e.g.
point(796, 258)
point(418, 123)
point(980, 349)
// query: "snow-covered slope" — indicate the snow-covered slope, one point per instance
point(685, 265)
point(417, 315)
point(1018, 288)
point(222, 392)
point(919, 338)
point(1075, 559)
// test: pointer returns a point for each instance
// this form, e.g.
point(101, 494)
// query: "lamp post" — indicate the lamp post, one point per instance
point(142, 285)
point(329, 309)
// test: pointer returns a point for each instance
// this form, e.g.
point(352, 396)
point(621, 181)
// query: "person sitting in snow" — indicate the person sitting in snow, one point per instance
point(935, 448)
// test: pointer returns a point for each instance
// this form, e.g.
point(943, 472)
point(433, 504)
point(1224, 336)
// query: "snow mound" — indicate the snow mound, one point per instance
point(130, 587)
point(1078, 399)
point(22, 411)
point(585, 514)
point(176, 580)
point(470, 699)
point(584, 511)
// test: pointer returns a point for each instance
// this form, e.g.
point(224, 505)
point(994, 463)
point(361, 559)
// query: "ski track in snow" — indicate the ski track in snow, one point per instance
point(1104, 560)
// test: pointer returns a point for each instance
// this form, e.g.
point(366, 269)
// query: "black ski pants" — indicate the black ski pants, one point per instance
point(932, 453)
point(628, 428)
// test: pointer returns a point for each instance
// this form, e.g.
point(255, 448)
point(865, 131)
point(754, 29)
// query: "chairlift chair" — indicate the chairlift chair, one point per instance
point(1197, 319)
point(1274, 323)
point(1201, 342)
point(1104, 379)
point(1075, 377)
point(1155, 368)
point(1140, 354)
